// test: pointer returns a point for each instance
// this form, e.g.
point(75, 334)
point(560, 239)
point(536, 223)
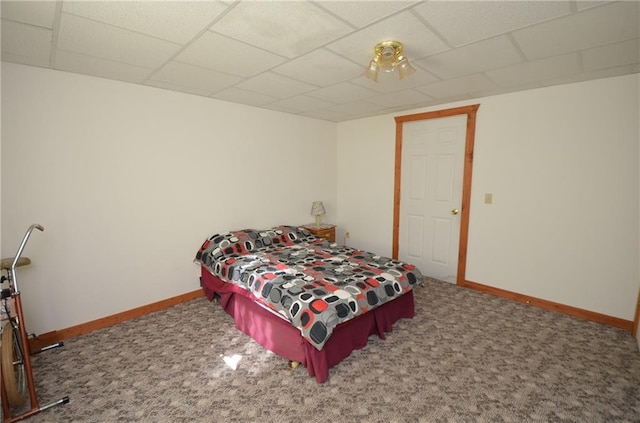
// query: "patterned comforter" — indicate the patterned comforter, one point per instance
point(313, 284)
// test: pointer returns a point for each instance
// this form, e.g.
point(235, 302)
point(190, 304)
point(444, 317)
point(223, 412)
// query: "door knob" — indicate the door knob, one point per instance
point(455, 211)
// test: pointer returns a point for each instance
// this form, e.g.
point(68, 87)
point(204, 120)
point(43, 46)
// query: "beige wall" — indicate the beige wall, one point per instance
point(562, 164)
point(129, 180)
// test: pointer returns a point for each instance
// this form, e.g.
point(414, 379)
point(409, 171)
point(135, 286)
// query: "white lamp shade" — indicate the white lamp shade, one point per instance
point(317, 208)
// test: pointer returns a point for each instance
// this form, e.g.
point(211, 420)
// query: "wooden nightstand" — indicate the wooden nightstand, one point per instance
point(325, 231)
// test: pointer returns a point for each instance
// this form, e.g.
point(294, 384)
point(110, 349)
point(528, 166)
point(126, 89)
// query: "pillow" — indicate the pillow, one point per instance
point(238, 243)
point(293, 234)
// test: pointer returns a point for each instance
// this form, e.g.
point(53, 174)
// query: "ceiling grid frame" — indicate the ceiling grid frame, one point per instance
point(320, 39)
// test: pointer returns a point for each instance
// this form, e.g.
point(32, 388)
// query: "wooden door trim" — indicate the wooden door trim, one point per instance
point(471, 112)
point(636, 319)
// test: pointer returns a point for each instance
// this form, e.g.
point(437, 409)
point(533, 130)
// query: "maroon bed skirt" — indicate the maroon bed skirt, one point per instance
point(277, 335)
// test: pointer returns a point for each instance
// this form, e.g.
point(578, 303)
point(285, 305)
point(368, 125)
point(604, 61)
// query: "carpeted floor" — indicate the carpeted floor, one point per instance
point(465, 357)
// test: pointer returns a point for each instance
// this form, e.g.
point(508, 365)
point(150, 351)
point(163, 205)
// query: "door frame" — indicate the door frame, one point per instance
point(636, 320)
point(471, 112)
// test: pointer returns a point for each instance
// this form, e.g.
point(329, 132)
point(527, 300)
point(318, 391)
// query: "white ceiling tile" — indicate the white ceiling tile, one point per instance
point(244, 97)
point(320, 67)
point(398, 110)
point(538, 70)
point(477, 57)
point(275, 85)
point(302, 103)
point(287, 28)
point(388, 82)
point(597, 74)
point(217, 52)
point(355, 12)
point(463, 22)
point(177, 21)
point(184, 75)
point(588, 4)
point(26, 44)
point(357, 108)
point(400, 98)
point(592, 28)
point(337, 93)
point(448, 99)
point(459, 86)
point(612, 55)
point(293, 56)
point(494, 91)
point(38, 13)
point(324, 115)
point(179, 88)
point(92, 38)
point(417, 39)
point(103, 68)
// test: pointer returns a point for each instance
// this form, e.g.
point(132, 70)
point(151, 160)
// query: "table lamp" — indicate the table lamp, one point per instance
point(317, 210)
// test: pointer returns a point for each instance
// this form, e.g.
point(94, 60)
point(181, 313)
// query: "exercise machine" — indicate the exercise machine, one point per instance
point(15, 353)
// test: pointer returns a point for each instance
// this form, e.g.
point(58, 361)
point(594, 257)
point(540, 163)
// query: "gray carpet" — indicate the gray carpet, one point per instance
point(465, 357)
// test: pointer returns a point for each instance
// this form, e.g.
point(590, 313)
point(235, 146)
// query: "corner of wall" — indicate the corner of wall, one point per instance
point(1, 168)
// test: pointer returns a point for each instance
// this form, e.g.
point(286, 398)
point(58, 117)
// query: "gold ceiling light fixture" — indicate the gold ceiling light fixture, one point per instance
point(387, 58)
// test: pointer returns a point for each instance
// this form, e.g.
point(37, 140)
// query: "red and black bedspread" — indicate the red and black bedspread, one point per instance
point(313, 284)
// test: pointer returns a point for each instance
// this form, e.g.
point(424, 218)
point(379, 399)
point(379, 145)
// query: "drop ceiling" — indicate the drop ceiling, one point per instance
point(307, 57)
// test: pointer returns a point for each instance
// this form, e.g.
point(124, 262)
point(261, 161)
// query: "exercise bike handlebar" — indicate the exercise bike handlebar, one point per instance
point(19, 253)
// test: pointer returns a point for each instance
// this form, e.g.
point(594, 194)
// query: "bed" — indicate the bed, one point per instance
point(307, 300)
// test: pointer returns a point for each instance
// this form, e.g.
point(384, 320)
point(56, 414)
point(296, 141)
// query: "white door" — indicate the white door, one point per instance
point(431, 194)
